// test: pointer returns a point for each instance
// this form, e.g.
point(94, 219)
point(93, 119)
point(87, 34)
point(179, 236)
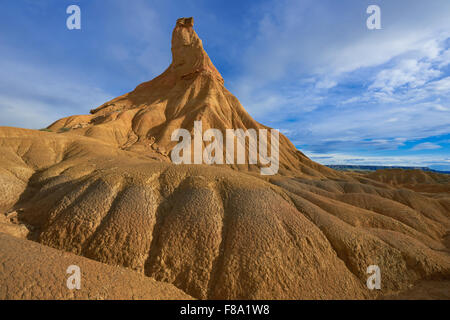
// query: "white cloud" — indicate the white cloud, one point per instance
point(426, 146)
point(444, 59)
point(386, 83)
point(407, 72)
point(440, 86)
point(326, 84)
point(303, 37)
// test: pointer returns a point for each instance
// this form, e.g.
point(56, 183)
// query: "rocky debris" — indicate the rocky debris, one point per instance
point(10, 224)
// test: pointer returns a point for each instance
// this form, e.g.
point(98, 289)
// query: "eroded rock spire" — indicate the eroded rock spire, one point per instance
point(188, 55)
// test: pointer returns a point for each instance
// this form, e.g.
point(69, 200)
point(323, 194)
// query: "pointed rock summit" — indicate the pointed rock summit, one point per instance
point(189, 61)
point(188, 55)
point(190, 89)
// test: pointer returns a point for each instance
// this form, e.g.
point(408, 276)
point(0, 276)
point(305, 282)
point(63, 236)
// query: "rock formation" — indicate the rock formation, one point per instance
point(106, 190)
point(190, 89)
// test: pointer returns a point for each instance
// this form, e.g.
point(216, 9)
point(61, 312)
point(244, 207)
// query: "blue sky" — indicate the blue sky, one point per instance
point(311, 68)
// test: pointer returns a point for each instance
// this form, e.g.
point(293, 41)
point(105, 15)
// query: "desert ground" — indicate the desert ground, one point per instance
point(100, 191)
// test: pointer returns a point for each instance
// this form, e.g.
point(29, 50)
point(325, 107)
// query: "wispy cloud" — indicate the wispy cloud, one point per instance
point(426, 146)
point(342, 87)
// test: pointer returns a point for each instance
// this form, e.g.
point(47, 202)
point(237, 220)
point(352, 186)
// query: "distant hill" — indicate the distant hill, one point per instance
point(417, 180)
point(375, 168)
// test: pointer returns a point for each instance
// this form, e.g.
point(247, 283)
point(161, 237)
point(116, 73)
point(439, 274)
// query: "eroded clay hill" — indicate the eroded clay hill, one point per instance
point(213, 231)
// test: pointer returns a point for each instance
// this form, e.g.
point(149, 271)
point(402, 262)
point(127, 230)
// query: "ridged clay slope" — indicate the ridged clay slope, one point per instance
point(32, 271)
point(218, 233)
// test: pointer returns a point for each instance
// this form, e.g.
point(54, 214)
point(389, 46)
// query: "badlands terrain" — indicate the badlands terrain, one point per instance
point(100, 191)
